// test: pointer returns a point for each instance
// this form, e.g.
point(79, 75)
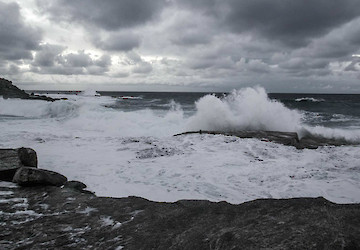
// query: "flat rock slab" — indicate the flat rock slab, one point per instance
point(63, 218)
point(12, 159)
point(285, 138)
point(26, 176)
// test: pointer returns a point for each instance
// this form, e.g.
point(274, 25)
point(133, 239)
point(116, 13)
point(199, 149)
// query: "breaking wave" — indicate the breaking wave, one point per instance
point(244, 109)
point(37, 108)
point(309, 99)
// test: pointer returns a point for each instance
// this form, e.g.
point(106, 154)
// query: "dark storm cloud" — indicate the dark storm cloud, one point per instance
point(292, 23)
point(108, 15)
point(50, 60)
point(17, 39)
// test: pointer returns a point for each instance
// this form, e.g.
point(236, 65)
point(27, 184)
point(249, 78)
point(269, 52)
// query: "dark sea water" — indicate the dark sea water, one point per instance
point(328, 110)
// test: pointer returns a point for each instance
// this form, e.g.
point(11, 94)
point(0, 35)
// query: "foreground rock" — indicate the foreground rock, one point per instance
point(34, 177)
point(285, 138)
point(8, 90)
point(13, 159)
point(63, 218)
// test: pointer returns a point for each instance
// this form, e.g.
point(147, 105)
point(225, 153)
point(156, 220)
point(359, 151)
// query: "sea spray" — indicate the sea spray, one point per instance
point(244, 109)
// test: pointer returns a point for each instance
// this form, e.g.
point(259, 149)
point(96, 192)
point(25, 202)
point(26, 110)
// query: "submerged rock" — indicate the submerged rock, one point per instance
point(286, 138)
point(8, 90)
point(26, 176)
point(58, 218)
point(13, 159)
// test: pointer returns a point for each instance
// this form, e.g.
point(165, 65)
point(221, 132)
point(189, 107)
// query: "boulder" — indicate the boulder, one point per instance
point(13, 159)
point(26, 176)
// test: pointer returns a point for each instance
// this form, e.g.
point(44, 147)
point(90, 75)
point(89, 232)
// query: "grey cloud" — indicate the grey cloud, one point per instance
point(291, 22)
point(139, 66)
point(17, 39)
point(47, 54)
point(109, 14)
point(123, 41)
point(142, 68)
point(50, 60)
point(354, 65)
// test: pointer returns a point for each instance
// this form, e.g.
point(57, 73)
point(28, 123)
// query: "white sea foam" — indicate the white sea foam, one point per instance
point(36, 108)
point(246, 109)
point(309, 99)
point(118, 153)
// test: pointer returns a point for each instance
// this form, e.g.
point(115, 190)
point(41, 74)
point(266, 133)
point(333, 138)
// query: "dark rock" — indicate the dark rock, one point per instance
point(58, 218)
point(26, 176)
point(8, 90)
point(75, 185)
point(13, 159)
point(286, 138)
point(28, 157)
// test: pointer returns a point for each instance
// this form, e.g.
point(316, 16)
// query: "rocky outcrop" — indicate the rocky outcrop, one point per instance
point(62, 218)
point(8, 90)
point(286, 138)
point(26, 176)
point(13, 159)
point(68, 217)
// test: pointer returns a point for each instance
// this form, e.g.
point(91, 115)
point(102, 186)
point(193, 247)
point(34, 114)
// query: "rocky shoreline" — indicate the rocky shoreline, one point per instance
point(8, 90)
point(47, 212)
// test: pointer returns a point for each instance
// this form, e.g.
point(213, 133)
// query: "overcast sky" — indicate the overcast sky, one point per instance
point(182, 45)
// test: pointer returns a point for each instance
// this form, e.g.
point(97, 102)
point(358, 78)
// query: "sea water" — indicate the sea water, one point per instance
point(122, 143)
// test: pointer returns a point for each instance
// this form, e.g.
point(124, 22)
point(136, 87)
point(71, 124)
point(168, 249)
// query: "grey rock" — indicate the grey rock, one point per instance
point(75, 185)
point(308, 141)
point(12, 159)
point(28, 157)
point(26, 176)
point(58, 218)
point(8, 90)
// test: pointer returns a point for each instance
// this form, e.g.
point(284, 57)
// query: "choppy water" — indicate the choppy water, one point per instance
point(121, 143)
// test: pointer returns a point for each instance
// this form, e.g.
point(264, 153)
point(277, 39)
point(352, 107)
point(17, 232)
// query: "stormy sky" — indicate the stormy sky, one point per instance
point(182, 45)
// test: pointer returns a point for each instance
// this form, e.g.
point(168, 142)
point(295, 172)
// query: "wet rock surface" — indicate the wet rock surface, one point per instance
point(285, 138)
point(26, 176)
point(64, 218)
point(8, 90)
point(13, 159)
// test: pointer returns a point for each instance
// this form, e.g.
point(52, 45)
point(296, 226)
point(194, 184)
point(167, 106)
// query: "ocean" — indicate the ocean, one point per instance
point(122, 143)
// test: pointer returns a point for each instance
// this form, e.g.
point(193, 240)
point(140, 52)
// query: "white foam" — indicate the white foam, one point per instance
point(119, 153)
point(246, 109)
point(309, 99)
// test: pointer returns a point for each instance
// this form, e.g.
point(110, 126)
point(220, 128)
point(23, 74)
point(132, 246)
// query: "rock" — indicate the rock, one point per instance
point(8, 90)
point(13, 159)
point(28, 157)
point(56, 218)
point(26, 176)
point(286, 138)
point(75, 185)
